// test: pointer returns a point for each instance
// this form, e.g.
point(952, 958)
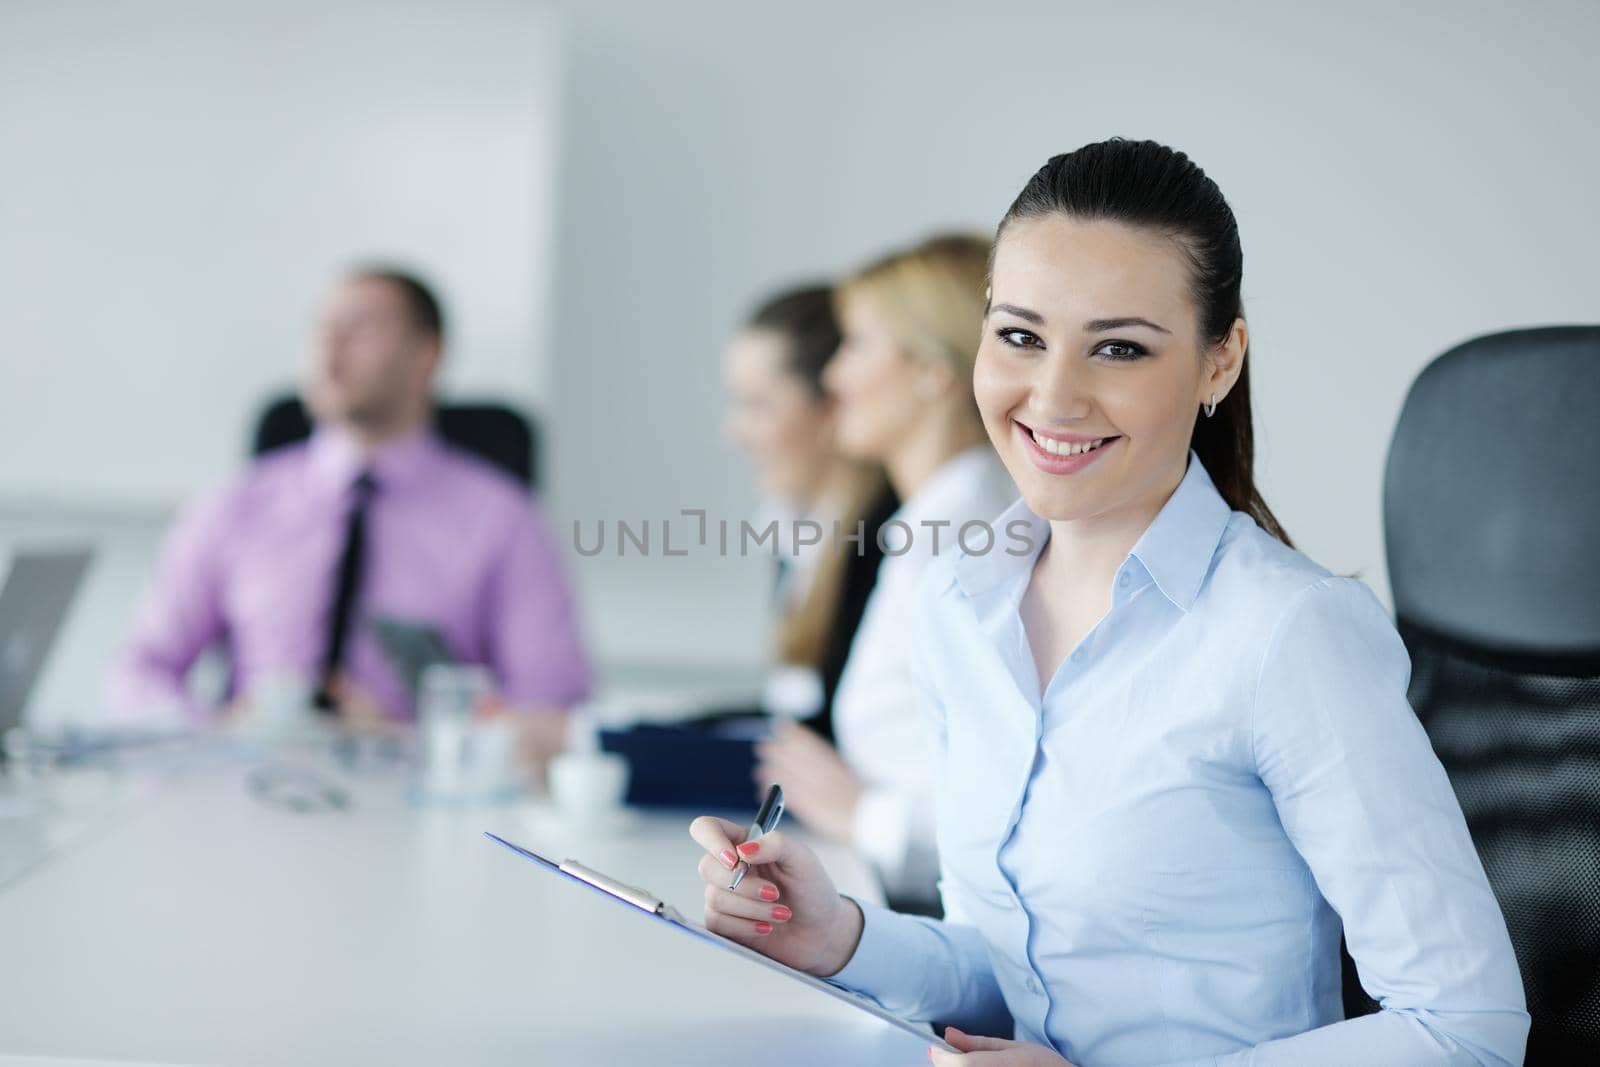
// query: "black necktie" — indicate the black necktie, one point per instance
point(348, 586)
point(783, 574)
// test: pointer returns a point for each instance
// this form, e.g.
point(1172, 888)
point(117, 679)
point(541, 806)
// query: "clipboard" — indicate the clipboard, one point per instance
point(660, 911)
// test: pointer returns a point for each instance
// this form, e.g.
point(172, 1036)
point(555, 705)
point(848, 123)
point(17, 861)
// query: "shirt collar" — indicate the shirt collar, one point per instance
point(337, 457)
point(1175, 549)
point(949, 486)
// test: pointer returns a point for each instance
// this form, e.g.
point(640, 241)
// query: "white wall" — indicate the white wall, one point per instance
point(178, 179)
point(1405, 176)
point(181, 179)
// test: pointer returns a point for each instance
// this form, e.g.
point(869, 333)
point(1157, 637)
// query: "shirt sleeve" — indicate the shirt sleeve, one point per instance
point(928, 970)
point(536, 650)
point(936, 970)
point(881, 826)
point(180, 617)
point(892, 740)
point(1367, 804)
point(893, 827)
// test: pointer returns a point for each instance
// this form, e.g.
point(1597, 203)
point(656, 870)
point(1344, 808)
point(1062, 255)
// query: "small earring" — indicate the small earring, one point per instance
point(1212, 409)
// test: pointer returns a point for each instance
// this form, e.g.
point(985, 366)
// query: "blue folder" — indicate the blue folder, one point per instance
point(704, 764)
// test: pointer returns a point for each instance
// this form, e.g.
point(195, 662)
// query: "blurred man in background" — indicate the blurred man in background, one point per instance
point(373, 517)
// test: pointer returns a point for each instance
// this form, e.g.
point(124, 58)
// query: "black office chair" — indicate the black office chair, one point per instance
point(492, 432)
point(1492, 526)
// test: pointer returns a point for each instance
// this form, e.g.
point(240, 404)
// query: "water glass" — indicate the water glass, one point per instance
point(448, 694)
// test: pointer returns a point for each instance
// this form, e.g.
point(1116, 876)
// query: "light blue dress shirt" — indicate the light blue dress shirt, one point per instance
point(1150, 864)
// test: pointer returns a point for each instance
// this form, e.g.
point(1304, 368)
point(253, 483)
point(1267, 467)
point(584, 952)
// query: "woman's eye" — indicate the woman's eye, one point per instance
point(1121, 350)
point(1018, 338)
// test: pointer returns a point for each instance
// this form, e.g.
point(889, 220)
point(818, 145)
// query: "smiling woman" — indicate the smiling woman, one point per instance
point(1174, 754)
point(1153, 318)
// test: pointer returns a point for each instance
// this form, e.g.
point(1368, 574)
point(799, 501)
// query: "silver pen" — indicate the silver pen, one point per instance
point(766, 821)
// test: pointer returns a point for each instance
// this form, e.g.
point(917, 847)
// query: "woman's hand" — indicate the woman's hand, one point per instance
point(786, 907)
point(817, 785)
point(993, 1052)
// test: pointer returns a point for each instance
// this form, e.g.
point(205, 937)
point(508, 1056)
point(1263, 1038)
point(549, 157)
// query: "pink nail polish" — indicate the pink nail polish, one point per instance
point(750, 848)
point(782, 914)
point(763, 928)
point(769, 893)
point(729, 860)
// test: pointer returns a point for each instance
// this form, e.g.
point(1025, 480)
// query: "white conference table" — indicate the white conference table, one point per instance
point(195, 923)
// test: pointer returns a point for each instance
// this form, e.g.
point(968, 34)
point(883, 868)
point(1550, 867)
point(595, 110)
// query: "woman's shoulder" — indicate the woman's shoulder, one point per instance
point(1256, 576)
point(972, 486)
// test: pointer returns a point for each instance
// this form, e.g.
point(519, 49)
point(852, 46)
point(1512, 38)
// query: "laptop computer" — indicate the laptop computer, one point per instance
point(38, 590)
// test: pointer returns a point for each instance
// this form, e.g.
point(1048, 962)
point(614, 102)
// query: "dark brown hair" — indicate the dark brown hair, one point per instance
point(803, 316)
point(421, 303)
point(1146, 184)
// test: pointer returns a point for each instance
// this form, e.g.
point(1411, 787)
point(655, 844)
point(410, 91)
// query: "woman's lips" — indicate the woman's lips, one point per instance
point(1050, 463)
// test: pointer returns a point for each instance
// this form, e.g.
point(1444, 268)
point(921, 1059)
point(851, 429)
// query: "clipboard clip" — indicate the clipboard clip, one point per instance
point(628, 894)
point(632, 894)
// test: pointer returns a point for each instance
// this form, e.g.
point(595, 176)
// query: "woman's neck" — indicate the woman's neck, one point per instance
point(1083, 554)
point(927, 448)
point(831, 489)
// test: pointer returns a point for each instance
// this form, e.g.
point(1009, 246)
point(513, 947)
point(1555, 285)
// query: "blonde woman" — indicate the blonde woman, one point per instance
point(781, 418)
point(902, 388)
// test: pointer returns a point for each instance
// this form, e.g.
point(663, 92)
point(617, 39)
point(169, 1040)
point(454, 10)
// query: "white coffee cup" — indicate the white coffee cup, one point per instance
point(588, 786)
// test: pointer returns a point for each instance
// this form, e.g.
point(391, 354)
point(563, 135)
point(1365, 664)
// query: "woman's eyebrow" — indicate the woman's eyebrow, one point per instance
point(1092, 326)
point(1102, 325)
point(1020, 312)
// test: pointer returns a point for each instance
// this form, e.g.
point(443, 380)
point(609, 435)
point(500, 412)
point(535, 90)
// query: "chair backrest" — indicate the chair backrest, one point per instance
point(493, 432)
point(1492, 529)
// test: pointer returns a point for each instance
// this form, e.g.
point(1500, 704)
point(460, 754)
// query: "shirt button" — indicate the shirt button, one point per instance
point(1033, 986)
point(1125, 578)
